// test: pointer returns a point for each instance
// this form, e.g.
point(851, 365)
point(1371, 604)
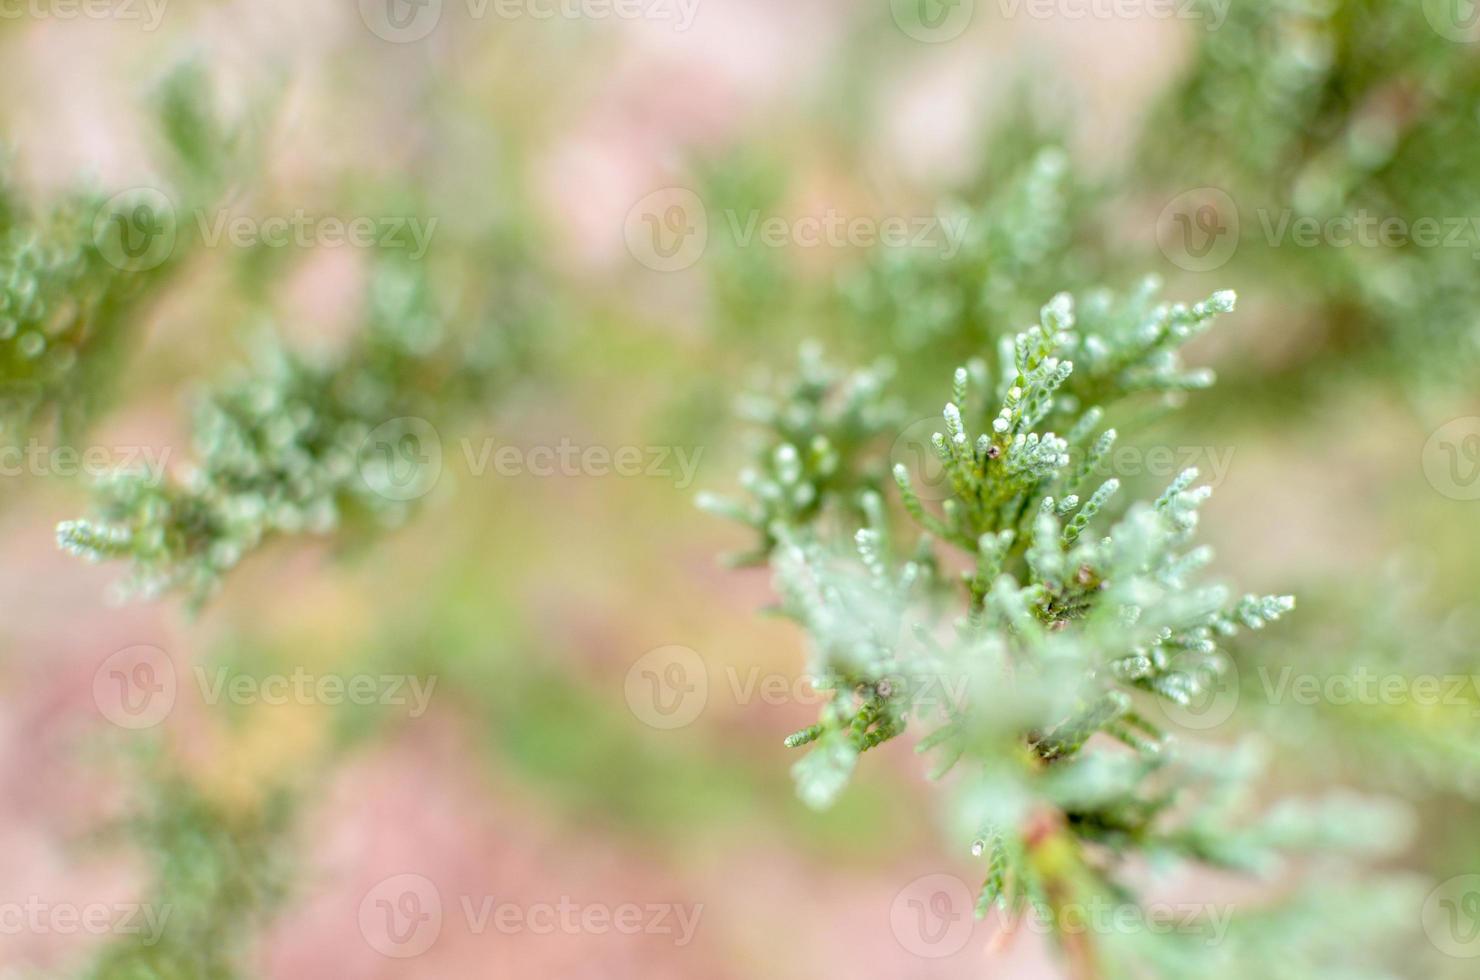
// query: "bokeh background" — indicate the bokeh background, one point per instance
point(552, 151)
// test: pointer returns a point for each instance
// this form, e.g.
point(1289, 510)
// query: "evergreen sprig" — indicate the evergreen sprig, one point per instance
point(291, 446)
point(1049, 669)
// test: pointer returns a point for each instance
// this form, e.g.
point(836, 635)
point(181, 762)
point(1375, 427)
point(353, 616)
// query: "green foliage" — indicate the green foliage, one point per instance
point(64, 310)
point(815, 426)
point(299, 445)
point(1325, 112)
point(70, 299)
point(1017, 248)
point(1048, 665)
point(217, 876)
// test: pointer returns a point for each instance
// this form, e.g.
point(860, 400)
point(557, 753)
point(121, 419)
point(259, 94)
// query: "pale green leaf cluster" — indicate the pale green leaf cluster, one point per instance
point(285, 448)
point(1044, 635)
